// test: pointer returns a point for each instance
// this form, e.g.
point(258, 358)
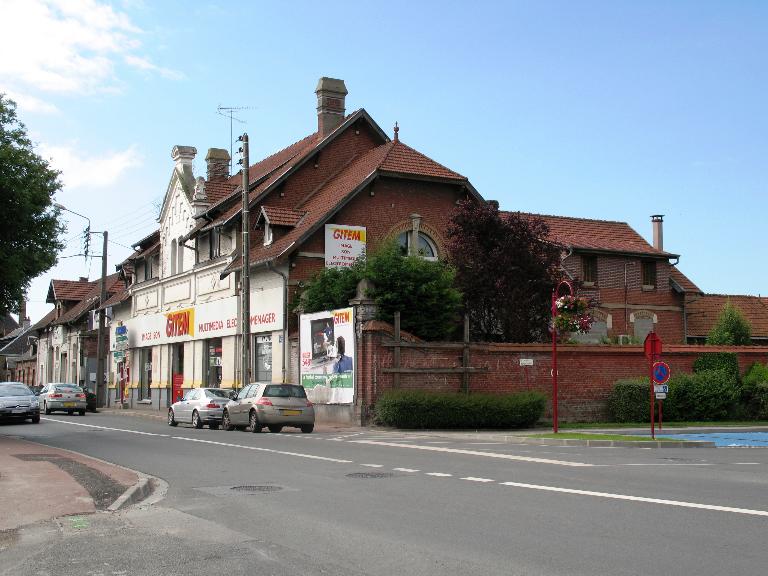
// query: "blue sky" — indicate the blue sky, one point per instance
point(609, 110)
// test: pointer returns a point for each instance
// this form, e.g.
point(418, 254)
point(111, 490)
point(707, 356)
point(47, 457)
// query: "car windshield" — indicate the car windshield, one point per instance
point(285, 391)
point(14, 389)
point(217, 393)
point(67, 388)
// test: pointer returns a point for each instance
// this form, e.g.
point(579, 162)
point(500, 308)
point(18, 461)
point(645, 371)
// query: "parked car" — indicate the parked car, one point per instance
point(200, 406)
point(63, 397)
point(270, 405)
point(18, 402)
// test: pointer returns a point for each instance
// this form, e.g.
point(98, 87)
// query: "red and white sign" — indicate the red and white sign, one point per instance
point(209, 320)
point(343, 245)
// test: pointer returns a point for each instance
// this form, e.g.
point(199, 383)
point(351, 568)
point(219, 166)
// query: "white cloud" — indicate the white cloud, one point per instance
point(89, 172)
point(69, 46)
point(31, 104)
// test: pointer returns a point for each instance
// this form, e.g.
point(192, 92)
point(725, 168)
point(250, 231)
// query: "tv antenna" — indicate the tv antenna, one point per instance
point(229, 112)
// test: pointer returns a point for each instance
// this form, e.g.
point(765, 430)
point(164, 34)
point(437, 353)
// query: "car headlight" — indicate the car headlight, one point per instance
point(34, 402)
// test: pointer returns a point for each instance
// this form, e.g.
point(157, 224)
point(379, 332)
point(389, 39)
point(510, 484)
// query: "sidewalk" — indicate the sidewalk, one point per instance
point(38, 483)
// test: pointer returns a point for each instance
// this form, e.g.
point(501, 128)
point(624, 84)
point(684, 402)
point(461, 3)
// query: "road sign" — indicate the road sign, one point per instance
point(661, 388)
point(119, 355)
point(660, 396)
point(660, 372)
point(652, 346)
point(121, 330)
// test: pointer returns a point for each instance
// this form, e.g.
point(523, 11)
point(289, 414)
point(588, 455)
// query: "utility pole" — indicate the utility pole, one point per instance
point(245, 274)
point(100, 384)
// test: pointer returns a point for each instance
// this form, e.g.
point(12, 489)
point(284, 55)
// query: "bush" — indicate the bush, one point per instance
point(630, 400)
point(754, 391)
point(731, 329)
point(706, 395)
point(418, 409)
point(727, 361)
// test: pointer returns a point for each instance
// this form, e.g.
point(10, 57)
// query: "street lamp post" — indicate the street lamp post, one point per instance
point(555, 295)
point(100, 384)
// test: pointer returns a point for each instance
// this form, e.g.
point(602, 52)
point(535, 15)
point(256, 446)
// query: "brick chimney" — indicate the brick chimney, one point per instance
point(658, 231)
point(217, 160)
point(330, 104)
point(22, 311)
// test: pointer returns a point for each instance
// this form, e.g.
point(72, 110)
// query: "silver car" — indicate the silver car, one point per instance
point(63, 397)
point(270, 405)
point(17, 401)
point(200, 406)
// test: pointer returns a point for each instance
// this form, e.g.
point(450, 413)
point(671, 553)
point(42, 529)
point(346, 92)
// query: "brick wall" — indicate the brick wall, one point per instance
point(586, 374)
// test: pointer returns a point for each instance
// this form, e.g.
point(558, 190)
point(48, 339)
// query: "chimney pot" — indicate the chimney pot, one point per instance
point(183, 154)
point(658, 231)
point(331, 95)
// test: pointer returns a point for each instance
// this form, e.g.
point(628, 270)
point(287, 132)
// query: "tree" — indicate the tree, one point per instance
point(29, 228)
point(731, 328)
point(506, 269)
point(422, 290)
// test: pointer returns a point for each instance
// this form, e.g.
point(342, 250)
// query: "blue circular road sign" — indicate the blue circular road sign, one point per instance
point(660, 372)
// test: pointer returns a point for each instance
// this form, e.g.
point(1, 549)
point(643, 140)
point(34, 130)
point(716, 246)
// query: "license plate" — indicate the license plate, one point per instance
point(291, 412)
point(18, 411)
point(69, 404)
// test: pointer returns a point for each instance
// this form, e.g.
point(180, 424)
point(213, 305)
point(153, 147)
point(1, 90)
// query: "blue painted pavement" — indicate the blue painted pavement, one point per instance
point(725, 439)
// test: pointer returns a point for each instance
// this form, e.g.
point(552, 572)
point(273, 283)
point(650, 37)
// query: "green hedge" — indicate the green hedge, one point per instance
point(417, 409)
point(705, 395)
point(728, 361)
point(754, 391)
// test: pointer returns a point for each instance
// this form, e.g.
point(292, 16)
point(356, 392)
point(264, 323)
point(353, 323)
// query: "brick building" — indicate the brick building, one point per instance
point(347, 174)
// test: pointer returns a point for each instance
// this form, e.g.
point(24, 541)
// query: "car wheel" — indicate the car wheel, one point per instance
point(213, 426)
point(81, 412)
point(253, 422)
point(172, 418)
point(226, 423)
point(36, 419)
point(46, 409)
point(275, 429)
point(307, 428)
point(196, 422)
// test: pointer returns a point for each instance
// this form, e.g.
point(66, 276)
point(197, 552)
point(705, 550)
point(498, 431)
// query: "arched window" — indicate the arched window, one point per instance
point(426, 250)
point(173, 257)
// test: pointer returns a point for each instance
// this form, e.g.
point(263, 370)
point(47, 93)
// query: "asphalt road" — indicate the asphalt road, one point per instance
point(383, 503)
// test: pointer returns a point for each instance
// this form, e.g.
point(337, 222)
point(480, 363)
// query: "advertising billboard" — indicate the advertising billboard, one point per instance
point(343, 245)
point(327, 348)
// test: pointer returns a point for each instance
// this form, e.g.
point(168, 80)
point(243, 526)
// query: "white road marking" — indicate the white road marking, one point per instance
point(474, 453)
point(439, 474)
point(485, 443)
point(406, 469)
point(661, 464)
point(677, 503)
point(108, 428)
point(259, 449)
point(201, 441)
point(373, 465)
point(473, 479)
point(748, 463)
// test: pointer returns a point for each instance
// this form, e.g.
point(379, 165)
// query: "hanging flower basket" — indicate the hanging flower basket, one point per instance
point(572, 315)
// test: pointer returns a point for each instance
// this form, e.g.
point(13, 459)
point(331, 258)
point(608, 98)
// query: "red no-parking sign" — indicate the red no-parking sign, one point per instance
point(660, 372)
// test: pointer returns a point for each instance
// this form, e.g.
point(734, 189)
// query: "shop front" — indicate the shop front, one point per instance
point(199, 346)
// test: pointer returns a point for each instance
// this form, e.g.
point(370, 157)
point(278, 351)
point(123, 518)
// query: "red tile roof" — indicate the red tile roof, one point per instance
point(67, 290)
point(702, 313)
point(598, 235)
point(45, 320)
point(683, 281)
point(278, 216)
point(403, 159)
point(113, 284)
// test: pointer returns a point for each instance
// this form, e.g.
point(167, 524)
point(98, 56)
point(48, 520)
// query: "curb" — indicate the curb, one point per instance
point(136, 493)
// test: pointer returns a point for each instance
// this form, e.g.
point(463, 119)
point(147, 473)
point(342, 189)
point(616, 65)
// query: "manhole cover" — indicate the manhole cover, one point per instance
point(370, 475)
point(264, 488)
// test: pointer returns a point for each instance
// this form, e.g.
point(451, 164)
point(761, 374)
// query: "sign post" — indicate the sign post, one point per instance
point(652, 349)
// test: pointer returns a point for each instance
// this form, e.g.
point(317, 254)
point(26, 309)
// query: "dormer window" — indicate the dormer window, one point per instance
point(268, 238)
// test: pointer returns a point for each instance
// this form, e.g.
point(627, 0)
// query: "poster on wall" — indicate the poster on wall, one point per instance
point(327, 347)
point(343, 245)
